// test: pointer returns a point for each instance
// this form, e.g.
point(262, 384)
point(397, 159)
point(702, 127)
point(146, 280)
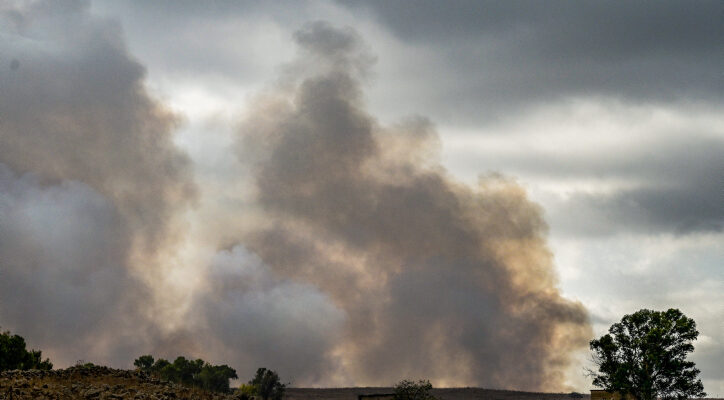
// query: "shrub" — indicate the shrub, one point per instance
point(84, 365)
point(409, 390)
point(247, 389)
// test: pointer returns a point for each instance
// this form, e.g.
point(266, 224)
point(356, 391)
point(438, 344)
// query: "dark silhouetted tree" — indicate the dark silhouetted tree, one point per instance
point(13, 354)
point(644, 355)
point(267, 385)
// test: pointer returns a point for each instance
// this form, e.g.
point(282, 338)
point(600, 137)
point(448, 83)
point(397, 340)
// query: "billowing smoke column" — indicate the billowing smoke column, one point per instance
point(359, 261)
point(435, 279)
point(90, 185)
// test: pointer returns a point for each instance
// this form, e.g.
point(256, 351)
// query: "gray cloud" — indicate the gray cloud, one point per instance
point(674, 184)
point(515, 54)
point(92, 184)
point(693, 206)
point(215, 42)
point(433, 276)
point(512, 55)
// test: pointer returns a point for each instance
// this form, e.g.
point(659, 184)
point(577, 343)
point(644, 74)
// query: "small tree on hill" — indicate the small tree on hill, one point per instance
point(267, 385)
point(13, 354)
point(409, 390)
point(644, 355)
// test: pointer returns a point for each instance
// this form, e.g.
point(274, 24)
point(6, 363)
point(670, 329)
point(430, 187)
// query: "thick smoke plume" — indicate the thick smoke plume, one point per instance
point(359, 261)
point(90, 185)
point(436, 279)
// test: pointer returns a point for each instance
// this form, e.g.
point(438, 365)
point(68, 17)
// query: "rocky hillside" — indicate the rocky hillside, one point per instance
point(94, 383)
point(442, 394)
point(469, 393)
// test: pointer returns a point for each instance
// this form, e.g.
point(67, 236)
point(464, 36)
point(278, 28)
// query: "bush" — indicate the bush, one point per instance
point(197, 373)
point(409, 390)
point(84, 365)
point(13, 354)
point(247, 389)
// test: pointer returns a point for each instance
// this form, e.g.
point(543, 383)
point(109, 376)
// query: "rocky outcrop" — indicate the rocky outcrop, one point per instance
point(95, 383)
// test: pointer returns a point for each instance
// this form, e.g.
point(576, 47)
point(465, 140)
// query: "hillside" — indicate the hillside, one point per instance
point(94, 383)
point(106, 383)
point(442, 394)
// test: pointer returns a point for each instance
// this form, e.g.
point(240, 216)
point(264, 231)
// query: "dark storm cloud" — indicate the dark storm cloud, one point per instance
point(436, 279)
point(520, 53)
point(688, 207)
point(91, 183)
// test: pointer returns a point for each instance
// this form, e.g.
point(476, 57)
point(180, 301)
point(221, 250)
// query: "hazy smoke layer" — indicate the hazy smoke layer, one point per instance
point(90, 185)
point(436, 279)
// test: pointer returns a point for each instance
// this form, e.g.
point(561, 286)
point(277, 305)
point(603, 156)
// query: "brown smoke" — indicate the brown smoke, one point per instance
point(437, 279)
point(361, 261)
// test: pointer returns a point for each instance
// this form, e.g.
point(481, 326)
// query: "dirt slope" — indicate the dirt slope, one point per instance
point(103, 383)
point(100, 383)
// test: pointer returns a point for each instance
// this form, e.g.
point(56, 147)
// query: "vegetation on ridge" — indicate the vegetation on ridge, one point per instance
point(196, 373)
point(409, 390)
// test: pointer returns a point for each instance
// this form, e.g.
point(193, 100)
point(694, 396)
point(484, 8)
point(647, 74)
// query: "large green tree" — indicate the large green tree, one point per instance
point(644, 355)
point(13, 354)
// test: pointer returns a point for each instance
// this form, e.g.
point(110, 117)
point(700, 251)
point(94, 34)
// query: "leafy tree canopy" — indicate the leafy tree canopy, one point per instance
point(644, 355)
point(13, 354)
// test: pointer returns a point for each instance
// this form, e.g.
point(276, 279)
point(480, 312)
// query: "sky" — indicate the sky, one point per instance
point(354, 193)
